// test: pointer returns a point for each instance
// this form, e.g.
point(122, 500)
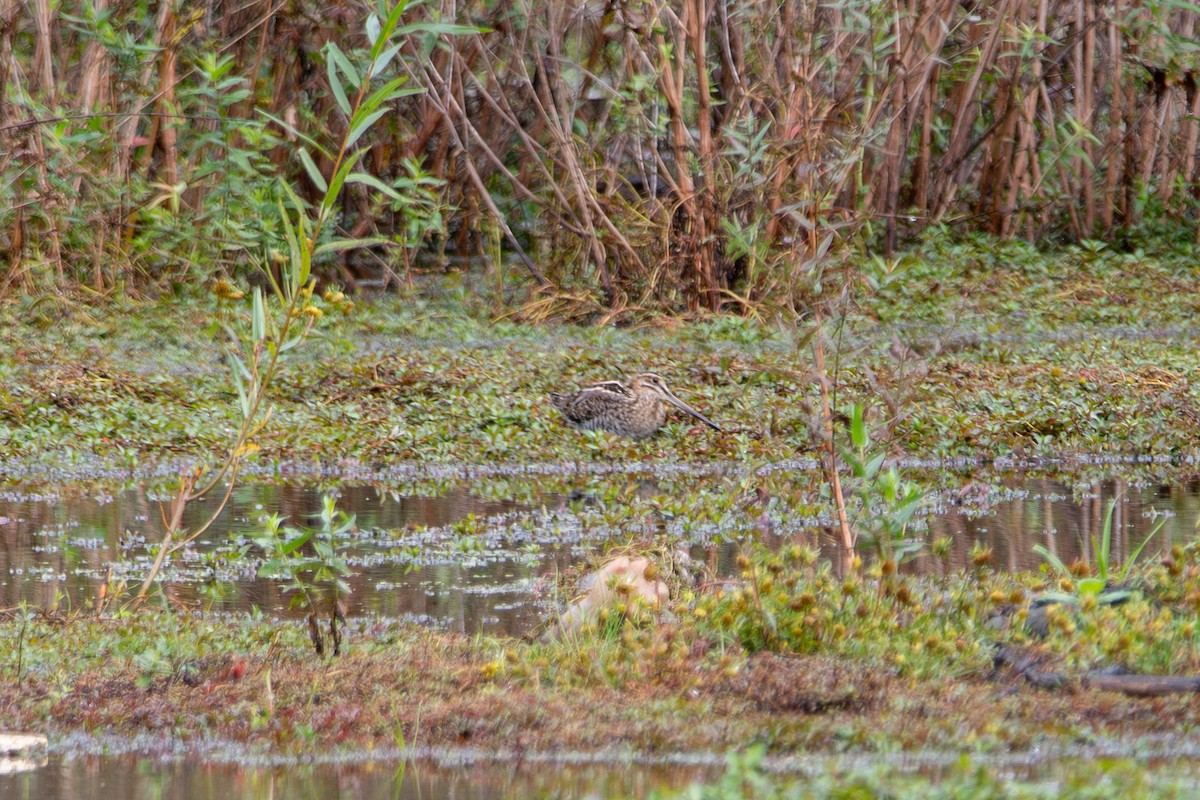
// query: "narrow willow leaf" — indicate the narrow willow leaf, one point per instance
point(439, 28)
point(366, 179)
point(258, 317)
point(389, 24)
point(301, 261)
point(377, 97)
point(240, 376)
point(289, 232)
point(335, 53)
point(385, 58)
point(341, 245)
point(305, 263)
point(335, 186)
point(335, 84)
point(310, 166)
point(308, 140)
point(373, 30)
point(358, 130)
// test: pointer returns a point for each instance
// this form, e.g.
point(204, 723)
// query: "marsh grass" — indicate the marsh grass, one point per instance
point(1107, 375)
point(746, 776)
point(817, 662)
point(1109, 585)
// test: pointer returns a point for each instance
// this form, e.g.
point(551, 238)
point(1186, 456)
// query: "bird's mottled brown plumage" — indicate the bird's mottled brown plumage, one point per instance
point(635, 407)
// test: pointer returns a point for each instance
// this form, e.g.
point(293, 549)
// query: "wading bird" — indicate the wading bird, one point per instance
point(633, 407)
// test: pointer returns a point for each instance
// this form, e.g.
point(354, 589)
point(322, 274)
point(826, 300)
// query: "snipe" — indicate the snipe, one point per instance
point(633, 407)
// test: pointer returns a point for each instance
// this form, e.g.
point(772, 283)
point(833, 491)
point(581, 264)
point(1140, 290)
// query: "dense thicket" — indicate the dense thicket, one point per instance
point(685, 152)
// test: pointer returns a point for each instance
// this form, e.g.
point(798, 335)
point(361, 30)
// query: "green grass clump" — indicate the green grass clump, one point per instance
point(746, 779)
point(787, 601)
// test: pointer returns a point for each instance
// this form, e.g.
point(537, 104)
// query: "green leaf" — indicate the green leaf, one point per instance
point(389, 91)
point(1114, 597)
point(335, 186)
point(362, 127)
point(296, 542)
point(240, 376)
point(367, 179)
point(1051, 559)
point(310, 166)
point(341, 245)
point(301, 260)
point(1106, 540)
point(439, 28)
point(872, 467)
point(334, 53)
point(335, 84)
point(373, 29)
point(308, 140)
point(858, 429)
point(1059, 598)
point(293, 242)
point(273, 568)
point(384, 59)
point(1133, 557)
point(328, 509)
point(258, 316)
point(904, 514)
point(387, 29)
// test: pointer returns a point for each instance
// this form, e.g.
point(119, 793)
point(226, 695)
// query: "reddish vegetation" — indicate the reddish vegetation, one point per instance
point(441, 690)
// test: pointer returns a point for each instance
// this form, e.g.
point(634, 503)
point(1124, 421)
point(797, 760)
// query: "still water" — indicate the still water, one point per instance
point(132, 777)
point(467, 557)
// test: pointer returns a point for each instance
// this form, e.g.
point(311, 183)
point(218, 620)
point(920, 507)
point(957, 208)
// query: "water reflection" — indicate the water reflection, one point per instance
point(413, 560)
point(141, 778)
point(1067, 520)
point(56, 548)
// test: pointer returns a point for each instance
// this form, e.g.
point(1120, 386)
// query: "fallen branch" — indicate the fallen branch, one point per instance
point(1024, 664)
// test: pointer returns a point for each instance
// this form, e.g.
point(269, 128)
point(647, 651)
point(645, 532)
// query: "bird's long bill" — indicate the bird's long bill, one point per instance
point(682, 406)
